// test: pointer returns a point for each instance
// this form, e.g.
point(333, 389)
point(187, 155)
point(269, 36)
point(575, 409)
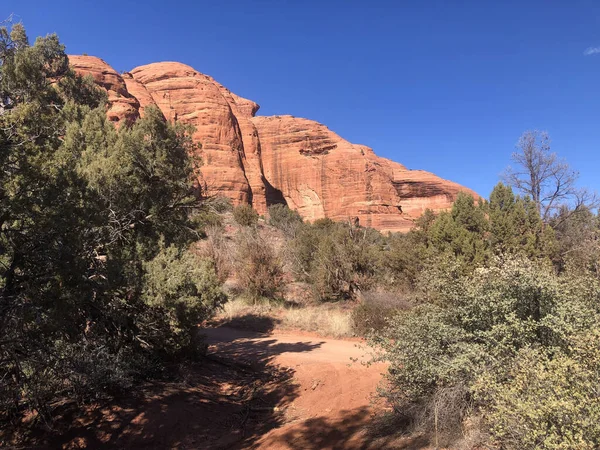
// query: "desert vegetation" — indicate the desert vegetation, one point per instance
point(484, 313)
point(110, 261)
point(98, 289)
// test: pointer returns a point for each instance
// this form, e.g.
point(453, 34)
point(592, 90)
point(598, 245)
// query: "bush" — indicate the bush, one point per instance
point(285, 219)
point(375, 310)
point(405, 259)
point(330, 272)
point(337, 260)
point(220, 204)
point(218, 249)
point(184, 287)
point(204, 218)
point(245, 215)
point(496, 343)
point(547, 401)
point(258, 268)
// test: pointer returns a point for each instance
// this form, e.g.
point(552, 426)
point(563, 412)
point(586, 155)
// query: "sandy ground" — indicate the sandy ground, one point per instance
point(255, 391)
point(331, 401)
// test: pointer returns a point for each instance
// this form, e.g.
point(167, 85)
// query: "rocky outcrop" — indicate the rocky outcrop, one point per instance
point(267, 160)
point(122, 104)
point(190, 97)
point(322, 175)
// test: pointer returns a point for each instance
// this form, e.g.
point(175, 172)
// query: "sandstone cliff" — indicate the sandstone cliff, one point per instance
point(267, 160)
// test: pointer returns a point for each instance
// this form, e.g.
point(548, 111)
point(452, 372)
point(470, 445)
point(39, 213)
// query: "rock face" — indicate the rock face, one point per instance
point(268, 160)
point(122, 104)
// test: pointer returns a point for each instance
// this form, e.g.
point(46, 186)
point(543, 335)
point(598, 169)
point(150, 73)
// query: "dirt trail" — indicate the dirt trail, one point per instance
point(255, 391)
point(285, 348)
point(330, 403)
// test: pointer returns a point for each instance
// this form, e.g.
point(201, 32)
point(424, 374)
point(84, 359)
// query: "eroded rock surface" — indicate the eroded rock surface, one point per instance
point(280, 159)
point(123, 105)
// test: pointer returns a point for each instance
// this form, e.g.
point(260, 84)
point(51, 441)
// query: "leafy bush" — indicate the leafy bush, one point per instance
point(287, 220)
point(258, 268)
point(471, 342)
point(405, 259)
point(184, 287)
point(548, 400)
point(245, 215)
point(337, 260)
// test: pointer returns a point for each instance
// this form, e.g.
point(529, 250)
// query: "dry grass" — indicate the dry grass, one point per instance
point(239, 307)
point(323, 320)
point(327, 320)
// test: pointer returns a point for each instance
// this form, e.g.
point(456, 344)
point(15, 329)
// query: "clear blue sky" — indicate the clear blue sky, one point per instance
point(445, 86)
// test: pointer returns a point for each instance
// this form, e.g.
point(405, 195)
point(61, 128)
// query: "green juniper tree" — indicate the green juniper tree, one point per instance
point(87, 212)
point(515, 225)
point(460, 233)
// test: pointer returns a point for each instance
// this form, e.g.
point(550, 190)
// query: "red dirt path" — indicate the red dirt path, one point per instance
point(329, 405)
point(255, 391)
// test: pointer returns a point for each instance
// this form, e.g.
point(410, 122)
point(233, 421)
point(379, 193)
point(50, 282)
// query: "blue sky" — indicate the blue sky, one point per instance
point(445, 86)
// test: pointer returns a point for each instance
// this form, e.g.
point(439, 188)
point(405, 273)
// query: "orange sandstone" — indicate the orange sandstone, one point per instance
point(266, 160)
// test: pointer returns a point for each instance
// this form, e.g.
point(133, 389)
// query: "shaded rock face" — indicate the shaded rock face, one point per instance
point(268, 160)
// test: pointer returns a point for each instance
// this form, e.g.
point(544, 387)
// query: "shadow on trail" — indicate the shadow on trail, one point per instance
point(230, 400)
point(253, 349)
point(349, 430)
point(251, 322)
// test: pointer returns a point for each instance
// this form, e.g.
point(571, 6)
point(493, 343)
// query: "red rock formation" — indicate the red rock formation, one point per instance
point(267, 160)
point(123, 105)
point(322, 175)
point(139, 91)
point(187, 96)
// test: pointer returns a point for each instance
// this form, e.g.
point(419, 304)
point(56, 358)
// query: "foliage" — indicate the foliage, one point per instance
point(142, 174)
point(577, 246)
point(258, 268)
point(336, 259)
point(470, 340)
point(219, 204)
point(376, 309)
point(218, 249)
point(468, 236)
point(548, 400)
point(282, 217)
point(461, 232)
point(185, 287)
point(515, 225)
point(407, 254)
point(90, 216)
point(245, 215)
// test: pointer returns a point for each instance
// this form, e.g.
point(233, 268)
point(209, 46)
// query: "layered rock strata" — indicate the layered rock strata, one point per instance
point(267, 160)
